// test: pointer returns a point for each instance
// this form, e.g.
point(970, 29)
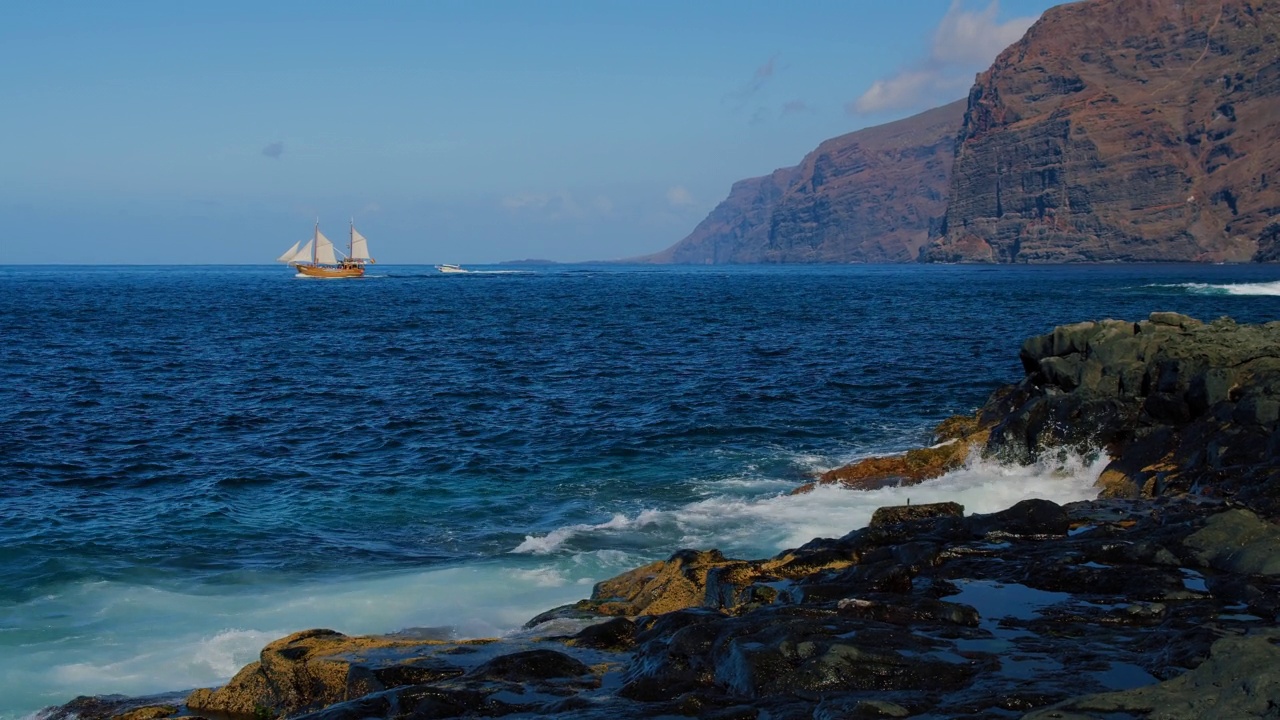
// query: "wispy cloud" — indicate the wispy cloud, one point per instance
point(274, 150)
point(763, 74)
point(524, 200)
point(678, 196)
point(795, 107)
point(963, 43)
point(556, 205)
point(748, 92)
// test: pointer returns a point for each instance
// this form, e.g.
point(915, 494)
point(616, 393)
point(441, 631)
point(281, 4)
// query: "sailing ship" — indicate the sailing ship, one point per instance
point(318, 258)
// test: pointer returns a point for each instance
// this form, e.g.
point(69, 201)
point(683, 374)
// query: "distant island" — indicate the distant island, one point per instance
point(529, 262)
point(1103, 135)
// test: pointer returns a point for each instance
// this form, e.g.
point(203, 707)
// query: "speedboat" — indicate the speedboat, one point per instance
point(446, 268)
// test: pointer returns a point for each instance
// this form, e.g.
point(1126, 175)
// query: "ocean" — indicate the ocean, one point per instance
point(197, 460)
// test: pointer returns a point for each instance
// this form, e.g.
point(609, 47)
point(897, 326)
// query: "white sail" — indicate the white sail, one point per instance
point(303, 254)
point(359, 246)
point(324, 250)
point(288, 254)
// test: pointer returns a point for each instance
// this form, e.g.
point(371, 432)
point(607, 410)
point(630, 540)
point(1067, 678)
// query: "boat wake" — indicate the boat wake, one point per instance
point(487, 272)
point(1261, 288)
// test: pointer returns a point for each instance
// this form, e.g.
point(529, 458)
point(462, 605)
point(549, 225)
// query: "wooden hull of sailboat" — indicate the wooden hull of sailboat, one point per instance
point(321, 271)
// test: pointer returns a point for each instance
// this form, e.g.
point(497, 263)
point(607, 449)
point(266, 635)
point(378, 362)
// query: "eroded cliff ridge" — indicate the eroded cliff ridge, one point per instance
point(1114, 130)
point(1123, 130)
point(868, 196)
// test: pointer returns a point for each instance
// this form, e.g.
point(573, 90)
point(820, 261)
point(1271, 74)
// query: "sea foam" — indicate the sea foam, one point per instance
point(762, 525)
point(108, 637)
point(104, 637)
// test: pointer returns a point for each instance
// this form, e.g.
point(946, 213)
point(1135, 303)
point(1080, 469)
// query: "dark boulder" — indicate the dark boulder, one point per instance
point(905, 513)
point(1028, 517)
point(531, 665)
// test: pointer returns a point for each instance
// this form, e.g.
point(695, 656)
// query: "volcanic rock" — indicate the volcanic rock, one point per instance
point(1227, 685)
point(868, 196)
point(1178, 404)
point(1117, 130)
point(306, 671)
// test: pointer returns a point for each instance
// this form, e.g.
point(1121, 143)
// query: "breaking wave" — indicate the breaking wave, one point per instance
point(764, 524)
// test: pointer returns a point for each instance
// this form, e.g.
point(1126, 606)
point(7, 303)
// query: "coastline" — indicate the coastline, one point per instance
point(1150, 566)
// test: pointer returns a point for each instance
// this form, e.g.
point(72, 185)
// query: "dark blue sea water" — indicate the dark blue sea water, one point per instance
point(195, 460)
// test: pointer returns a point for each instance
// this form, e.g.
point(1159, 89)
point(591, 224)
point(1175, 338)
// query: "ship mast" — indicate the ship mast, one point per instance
point(351, 239)
point(315, 243)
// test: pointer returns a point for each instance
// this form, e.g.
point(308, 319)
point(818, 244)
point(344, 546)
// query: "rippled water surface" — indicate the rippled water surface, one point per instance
point(211, 455)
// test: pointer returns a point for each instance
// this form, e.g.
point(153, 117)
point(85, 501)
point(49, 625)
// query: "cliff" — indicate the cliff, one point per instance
point(868, 196)
point(1114, 130)
point(1123, 130)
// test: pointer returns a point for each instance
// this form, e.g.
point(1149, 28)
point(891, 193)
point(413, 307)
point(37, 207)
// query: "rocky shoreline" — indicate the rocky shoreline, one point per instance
point(1159, 599)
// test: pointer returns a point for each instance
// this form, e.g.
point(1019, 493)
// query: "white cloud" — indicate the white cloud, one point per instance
point(556, 205)
point(678, 196)
point(901, 89)
point(964, 42)
point(975, 38)
point(523, 200)
point(550, 206)
point(908, 89)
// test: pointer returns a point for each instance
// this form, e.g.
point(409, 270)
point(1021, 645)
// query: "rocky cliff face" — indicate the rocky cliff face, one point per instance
point(1124, 130)
point(868, 196)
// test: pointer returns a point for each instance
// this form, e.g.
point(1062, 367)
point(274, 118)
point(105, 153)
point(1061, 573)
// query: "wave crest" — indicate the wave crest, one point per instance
point(765, 524)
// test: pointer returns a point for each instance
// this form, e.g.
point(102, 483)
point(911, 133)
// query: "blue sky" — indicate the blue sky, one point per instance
point(472, 132)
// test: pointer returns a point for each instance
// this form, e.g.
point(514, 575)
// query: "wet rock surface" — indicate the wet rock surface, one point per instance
point(1110, 608)
point(1179, 405)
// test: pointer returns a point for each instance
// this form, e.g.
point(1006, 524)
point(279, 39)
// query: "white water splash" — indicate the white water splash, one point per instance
point(101, 637)
point(762, 525)
point(108, 637)
point(552, 541)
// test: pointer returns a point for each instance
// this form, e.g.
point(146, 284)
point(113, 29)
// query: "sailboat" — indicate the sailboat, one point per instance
point(319, 259)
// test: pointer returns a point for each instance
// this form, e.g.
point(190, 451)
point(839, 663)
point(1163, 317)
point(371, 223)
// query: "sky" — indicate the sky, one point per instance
point(451, 131)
